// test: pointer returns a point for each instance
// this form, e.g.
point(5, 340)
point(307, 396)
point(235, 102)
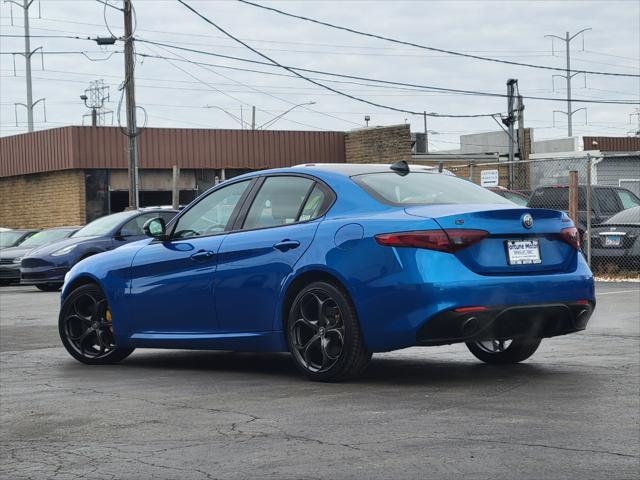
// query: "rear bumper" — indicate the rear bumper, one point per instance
point(40, 275)
point(505, 322)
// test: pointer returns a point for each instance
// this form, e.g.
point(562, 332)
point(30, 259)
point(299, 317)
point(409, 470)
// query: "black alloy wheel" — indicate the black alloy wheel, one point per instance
point(49, 287)
point(86, 329)
point(324, 336)
point(500, 352)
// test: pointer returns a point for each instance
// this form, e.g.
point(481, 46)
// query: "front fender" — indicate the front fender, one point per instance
point(111, 270)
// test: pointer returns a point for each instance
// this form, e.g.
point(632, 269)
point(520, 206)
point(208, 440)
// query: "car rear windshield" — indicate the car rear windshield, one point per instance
point(418, 188)
point(630, 216)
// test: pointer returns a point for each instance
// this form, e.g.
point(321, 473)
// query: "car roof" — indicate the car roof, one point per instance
point(24, 230)
point(349, 169)
point(63, 227)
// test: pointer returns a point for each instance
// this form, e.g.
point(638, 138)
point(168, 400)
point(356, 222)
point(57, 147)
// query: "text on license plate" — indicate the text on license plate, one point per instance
point(612, 240)
point(523, 252)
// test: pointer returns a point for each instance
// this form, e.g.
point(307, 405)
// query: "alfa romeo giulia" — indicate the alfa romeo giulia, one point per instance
point(333, 263)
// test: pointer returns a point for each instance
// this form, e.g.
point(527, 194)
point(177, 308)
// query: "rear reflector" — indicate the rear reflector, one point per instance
point(571, 236)
point(441, 240)
point(469, 309)
point(583, 302)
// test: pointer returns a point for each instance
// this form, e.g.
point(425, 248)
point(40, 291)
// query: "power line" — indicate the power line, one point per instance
point(353, 97)
point(225, 93)
point(46, 36)
point(424, 47)
point(368, 79)
point(271, 95)
point(59, 52)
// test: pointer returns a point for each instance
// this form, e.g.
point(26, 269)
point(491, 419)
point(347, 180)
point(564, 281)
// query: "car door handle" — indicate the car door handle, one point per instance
point(287, 244)
point(202, 255)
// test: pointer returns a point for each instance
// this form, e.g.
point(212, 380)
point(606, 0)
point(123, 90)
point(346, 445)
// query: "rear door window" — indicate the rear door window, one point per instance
point(279, 202)
point(315, 204)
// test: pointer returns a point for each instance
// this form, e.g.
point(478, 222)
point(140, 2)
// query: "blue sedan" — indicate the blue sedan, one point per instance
point(333, 263)
point(45, 267)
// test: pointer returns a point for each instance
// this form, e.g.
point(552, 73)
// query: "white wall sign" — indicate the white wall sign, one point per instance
point(489, 178)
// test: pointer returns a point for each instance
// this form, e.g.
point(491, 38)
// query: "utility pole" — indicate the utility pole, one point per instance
point(426, 133)
point(523, 152)
point(509, 120)
point(27, 59)
point(568, 76)
point(28, 53)
point(129, 85)
point(523, 147)
point(636, 113)
point(253, 117)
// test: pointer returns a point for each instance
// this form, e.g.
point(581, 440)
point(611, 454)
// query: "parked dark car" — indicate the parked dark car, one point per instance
point(617, 240)
point(11, 257)
point(46, 266)
point(516, 197)
point(13, 238)
point(605, 202)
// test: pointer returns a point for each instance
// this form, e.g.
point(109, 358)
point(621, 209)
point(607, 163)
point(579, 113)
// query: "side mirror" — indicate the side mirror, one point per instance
point(155, 228)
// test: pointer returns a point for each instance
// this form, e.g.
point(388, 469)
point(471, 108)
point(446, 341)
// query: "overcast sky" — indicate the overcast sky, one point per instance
point(175, 95)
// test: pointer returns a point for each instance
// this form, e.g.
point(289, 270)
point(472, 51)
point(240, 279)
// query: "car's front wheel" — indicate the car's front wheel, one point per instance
point(503, 351)
point(324, 336)
point(86, 329)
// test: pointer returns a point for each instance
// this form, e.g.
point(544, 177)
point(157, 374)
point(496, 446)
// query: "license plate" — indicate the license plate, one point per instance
point(523, 252)
point(612, 241)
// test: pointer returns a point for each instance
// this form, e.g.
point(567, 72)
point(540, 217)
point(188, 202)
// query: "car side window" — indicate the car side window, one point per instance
point(628, 199)
point(134, 226)
point(608, 201)
point(211, 214)
point(314, 204)
point(278, 202)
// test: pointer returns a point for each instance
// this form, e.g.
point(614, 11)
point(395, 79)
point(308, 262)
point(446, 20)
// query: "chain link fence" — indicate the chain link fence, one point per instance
point(608, 187)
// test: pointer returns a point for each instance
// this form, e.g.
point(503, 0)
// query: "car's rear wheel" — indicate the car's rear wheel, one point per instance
point(324, 336)
point(504, 351)
point(86, 329)
point(49, 287)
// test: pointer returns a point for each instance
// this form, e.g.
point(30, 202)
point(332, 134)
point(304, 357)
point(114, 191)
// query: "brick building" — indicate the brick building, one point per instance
point(72, 175)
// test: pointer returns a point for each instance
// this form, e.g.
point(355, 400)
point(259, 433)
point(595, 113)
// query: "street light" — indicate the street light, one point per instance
point(274, 120)
point(235, 117)
point(94, 113)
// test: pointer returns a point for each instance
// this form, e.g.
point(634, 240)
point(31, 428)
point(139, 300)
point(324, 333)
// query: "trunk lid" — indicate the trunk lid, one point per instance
point(511, 247)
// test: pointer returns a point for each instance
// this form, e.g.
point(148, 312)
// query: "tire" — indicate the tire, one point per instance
point(324, 336)
point(86, 330)
point(49, 287)
point(517, 351)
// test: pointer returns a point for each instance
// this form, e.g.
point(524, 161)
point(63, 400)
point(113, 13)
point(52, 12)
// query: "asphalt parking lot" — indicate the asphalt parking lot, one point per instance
point(571, 411)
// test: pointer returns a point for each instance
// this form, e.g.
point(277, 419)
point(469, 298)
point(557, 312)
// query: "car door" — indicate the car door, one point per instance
point(270, 236)
point(172, 288)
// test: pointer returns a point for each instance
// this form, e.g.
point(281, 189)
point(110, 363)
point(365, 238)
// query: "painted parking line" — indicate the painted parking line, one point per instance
point(619, 291)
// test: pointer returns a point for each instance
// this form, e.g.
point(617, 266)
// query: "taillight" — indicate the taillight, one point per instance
point(442, 240)
point(571, 236)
